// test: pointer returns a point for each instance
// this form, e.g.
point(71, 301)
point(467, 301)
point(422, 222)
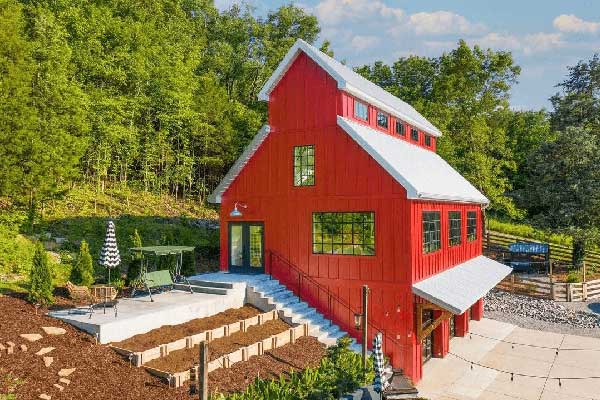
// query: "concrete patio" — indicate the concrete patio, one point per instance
point(453, 378)
point(140, 315)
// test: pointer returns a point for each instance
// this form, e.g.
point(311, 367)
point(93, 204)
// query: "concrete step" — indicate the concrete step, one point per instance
point(199, 289)
point(220, 285)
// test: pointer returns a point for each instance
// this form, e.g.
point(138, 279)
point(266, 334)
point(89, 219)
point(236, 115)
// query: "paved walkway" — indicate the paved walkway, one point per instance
point(452, 378)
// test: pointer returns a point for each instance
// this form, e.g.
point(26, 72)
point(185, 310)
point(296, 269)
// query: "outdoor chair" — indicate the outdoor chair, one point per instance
point(156, 280)
point(105, 296)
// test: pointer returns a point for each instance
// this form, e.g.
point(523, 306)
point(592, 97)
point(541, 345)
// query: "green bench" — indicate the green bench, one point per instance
point(157, 279)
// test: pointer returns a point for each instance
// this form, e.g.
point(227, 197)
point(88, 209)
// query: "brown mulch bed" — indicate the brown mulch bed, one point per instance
point(100, 372)
point(181, 360)
point(306, 352)
point(170, 333)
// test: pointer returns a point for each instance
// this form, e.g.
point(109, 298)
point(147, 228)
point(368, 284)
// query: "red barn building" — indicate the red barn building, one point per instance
point(343, 188)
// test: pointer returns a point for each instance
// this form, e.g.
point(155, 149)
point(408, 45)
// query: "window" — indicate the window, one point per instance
point(382, 119)
point(361, 110)
point(427, 140)
point(304, 165)
point(351, 233)
point(400, 128)
point(431, 231)
point(414, 134)
point(455, 226)
point(471, 225)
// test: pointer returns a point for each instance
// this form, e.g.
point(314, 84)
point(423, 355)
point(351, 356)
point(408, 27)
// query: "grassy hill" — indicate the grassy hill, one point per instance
point(82, 215)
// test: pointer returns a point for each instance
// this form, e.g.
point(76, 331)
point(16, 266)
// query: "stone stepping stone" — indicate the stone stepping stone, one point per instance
point(59, 387)
point(44, 396)
point(11, 348)
point(23, 348)
point(66, 372)
point(51, 330)
point(32, 337)
point(48, 361)
point(65, 381)
point(44, 350)
point(2, 347)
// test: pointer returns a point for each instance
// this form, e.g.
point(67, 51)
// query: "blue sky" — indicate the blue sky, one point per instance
point(544, 36)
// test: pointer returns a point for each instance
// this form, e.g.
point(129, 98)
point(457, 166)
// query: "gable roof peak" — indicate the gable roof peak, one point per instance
point(352, 83)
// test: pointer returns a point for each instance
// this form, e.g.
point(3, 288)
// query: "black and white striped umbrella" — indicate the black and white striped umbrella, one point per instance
point(380, 383)
point(109, 255)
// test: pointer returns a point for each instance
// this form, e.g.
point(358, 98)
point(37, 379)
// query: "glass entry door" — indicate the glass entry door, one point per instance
point(246, 247)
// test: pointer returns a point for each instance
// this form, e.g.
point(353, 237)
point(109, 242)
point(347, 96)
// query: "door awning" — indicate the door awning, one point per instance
point(459, 287)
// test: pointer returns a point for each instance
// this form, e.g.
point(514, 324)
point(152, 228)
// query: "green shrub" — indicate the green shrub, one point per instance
point(83, 270)
point(135, 263)
point(340, 372)
point(573, 277)
point(40, 290)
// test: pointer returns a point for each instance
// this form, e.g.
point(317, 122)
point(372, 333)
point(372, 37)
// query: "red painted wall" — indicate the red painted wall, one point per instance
point(302, 110)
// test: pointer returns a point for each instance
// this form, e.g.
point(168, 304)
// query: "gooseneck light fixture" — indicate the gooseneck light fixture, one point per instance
point(235, 212)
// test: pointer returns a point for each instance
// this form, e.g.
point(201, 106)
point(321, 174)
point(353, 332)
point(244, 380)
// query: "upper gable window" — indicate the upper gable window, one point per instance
point(382, 119)
point(361, 110)
point(427, 140)
point(414, 134)
point(304, 165)
point(400, 128)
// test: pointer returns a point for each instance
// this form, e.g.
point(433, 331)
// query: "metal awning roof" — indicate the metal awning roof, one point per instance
point(163, 250)
point(459, 287)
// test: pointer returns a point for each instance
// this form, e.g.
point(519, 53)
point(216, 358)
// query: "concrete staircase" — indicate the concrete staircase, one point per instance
point(208, 287)
point(270, 294)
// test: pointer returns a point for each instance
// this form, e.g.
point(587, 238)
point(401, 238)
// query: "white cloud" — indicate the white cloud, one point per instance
point(573, 24)
point(540, 42)
point(336, 11)
point(360, 42)
point(496, 40)
point(527, 44)
point(443, 23)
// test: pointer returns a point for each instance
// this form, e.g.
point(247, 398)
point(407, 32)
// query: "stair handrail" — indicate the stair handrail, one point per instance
point(304, 276)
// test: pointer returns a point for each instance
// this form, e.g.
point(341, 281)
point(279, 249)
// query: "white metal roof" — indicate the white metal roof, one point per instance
point(239, 164)
point(424, 174)
point(351, 82)
point(459, 287)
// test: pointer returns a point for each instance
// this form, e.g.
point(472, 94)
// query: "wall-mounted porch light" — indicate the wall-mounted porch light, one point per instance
point(357, 321)
point(235, 212)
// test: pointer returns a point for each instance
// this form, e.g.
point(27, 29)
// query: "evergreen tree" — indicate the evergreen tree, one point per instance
point(135, 264)
point(83, 270)
point(40, 290)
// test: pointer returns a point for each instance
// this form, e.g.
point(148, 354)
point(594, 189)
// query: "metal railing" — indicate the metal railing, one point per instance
point(333, 307)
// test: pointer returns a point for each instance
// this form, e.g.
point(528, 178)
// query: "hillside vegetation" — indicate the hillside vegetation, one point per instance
point(82, 215)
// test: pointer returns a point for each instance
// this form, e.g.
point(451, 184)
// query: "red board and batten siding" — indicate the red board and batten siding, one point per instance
point(303, 110)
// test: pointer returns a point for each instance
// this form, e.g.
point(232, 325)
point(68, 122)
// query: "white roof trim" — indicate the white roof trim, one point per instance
point(423, 173)
point(459, 287)
point(239, 164)
point(351, 82)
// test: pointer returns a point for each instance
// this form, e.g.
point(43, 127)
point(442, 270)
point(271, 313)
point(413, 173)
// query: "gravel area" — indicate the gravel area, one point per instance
point(547, 315)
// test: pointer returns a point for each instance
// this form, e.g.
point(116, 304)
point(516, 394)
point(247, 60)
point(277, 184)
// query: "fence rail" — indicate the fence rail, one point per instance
point(558, 252)
point(543, 288)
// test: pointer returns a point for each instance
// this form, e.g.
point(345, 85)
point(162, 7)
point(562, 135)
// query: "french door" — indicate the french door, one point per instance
point(246, 247)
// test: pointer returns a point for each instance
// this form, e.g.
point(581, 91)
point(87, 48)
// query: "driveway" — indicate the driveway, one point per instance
point(452, 378)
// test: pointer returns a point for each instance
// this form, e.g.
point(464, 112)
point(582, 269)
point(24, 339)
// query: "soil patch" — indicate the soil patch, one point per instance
point(170, 333)
point(181, 360)
point(99, 371)
point(306, 352)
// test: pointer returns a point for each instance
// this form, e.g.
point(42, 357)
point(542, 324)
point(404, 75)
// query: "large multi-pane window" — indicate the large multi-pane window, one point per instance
point(455, 228)
point(471, 225)
point(351, 233)
point(431, 231)
point(400, 127)
point(427, 140)
point(361, 110)
point(304, 165)
point(382, 119)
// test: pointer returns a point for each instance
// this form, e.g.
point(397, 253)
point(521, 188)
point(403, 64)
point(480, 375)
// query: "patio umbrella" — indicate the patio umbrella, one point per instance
point(109, 255)
point(379, 383)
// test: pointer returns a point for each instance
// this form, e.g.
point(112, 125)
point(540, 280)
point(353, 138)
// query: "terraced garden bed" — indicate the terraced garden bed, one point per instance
point(182, 360)
point(169, 333)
